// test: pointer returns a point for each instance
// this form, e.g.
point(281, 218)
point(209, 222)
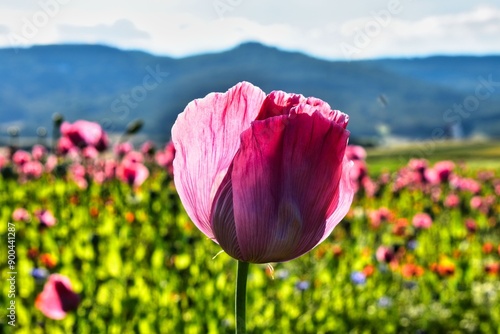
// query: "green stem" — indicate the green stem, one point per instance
point(241, 289)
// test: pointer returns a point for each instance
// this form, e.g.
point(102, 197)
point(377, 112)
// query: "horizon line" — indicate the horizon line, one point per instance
point(229, 49)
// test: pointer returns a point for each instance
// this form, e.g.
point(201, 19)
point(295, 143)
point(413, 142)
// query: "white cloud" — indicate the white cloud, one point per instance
point(4, 29)
point(102, 33)
point(185, 34)
point(464, 33)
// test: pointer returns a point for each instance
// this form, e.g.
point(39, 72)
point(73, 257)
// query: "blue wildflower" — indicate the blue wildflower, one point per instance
point(358, 278)
point(39, 274)
point(302, 285)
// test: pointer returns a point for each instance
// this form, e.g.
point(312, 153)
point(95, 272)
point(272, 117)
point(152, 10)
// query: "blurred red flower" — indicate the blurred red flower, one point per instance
point(369, 270)
point(487, 247)
point(410, 270)
point(48, 260)
point(492, 268)
point(445, 267)
point(399, 228)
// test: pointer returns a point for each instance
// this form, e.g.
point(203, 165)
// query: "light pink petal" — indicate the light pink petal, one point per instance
point(90, 152)
point(141, 174)
point(206, 137)
point(355, 152)
point(20, 214)
point(57, 297)
point(38, 152)
point(21, 157)
point(285, 182)
point(90, 132)
point(123, 148)
point(65, 128)
point(134, 156)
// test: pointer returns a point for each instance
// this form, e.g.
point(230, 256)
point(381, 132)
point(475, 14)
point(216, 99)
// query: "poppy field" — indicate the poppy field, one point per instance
point(106, 233)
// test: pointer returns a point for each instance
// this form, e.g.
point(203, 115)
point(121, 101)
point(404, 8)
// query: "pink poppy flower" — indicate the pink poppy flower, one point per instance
point(485, 175)
point(90, 152)
point(79, 175)
point(123, 148)
point(431, 176)
point(134, 156)
point(452, 201)
point(418, 165)
point(110, 169)
point(385, 254)
point(99, 177)
point(496, 184)
point(165, 158)
point(369, 186)
point(21, 157)
point(32, 169)
point(83, 133)
point(77, 171)
point(444, 169)
point(57, 297)
point(263, 176)
point(3, 161)
point(470, 225)
point(38, 152)
point(64, 145)
point(465, 184)
point(21, 214)
point(358, 174)
point(148, 148)
point(358, 171)
point(411, 177)
point(476, 202)
point(133, 173)
point(378, 216)
point(384, 178)
point(51, 163)
point(355, 152)
point(46, 218)
point(422, 221)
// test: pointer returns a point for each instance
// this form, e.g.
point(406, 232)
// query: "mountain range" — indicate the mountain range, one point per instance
point(413, 98)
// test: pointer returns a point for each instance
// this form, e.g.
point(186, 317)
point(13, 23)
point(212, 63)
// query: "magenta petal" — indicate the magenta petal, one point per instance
point(222, 212)
point(279, 103)
point(206, 137)
point(286, 180)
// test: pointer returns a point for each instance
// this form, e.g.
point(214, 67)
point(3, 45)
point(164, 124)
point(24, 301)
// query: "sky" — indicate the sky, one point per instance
point(355, 29)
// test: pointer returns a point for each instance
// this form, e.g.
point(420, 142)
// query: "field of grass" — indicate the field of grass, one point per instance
point(476, 154)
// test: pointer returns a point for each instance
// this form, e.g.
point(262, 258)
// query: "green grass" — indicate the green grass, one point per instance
point(476, 154)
